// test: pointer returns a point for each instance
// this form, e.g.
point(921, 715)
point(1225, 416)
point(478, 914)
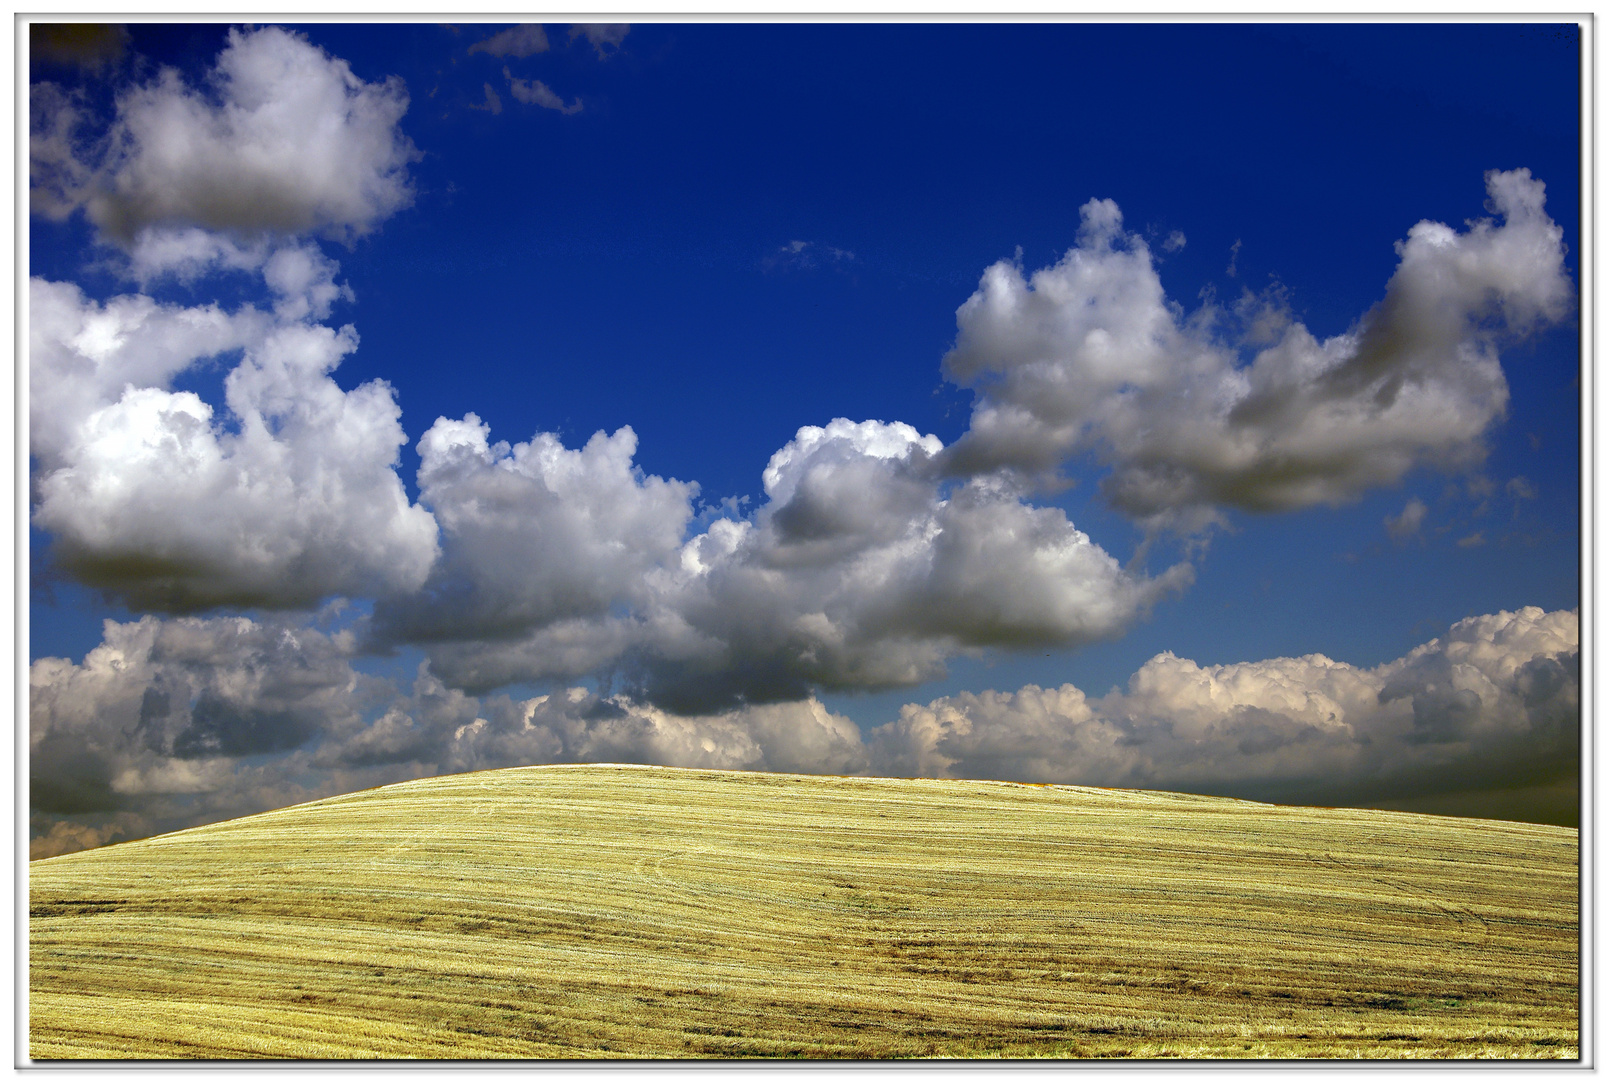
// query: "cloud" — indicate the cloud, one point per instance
point(537, 93)
point(153, 499)
point(1492, 705)
point(525, 40)
point(1408, 522)
point(494, 104)
point(578, 726)
point(150, 496)
point(58, 175)
point(604, 37)
point(160, 708)
point(1521, 488)
point(535, 534)
point(807, 255)
point(300, 277)
point(284, 139)
point(173, 723)
point(862, 570)
point(303, 280)
point(188, 254)
point(1175, 241)
point(1089, 358)
point(82, 354)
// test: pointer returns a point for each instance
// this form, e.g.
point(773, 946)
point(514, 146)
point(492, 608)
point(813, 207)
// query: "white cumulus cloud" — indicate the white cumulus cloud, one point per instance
point(863, 569)
point(1090, 357)
point(283, 138)
point(535, 534)
point(291, 498)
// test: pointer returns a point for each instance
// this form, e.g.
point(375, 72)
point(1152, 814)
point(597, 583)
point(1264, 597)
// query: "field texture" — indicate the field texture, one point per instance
point(612, 911)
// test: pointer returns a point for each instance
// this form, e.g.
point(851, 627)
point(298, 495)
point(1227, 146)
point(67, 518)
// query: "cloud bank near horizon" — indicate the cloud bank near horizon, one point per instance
point(876, 555)
point(175, 722)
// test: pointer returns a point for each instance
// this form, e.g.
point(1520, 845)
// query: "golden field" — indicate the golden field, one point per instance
point(621, 911)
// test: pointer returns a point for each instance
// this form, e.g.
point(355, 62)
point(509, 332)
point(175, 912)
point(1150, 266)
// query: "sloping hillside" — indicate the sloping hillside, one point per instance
point(645, 912)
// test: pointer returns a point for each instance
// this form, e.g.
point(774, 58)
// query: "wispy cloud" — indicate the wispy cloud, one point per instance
point(493, 103)
point(535, 92)
point(807, 255)
point(521, 41)
point(1406, 523)
point(604, 37)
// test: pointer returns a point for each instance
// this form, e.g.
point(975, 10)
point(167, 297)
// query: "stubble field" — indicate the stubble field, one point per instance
point(618, 911)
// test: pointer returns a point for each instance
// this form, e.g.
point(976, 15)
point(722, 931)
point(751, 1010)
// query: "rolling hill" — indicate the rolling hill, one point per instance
point(626, 911)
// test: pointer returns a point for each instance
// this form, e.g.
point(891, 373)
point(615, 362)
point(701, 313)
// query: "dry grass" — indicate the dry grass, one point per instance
point(630, 912)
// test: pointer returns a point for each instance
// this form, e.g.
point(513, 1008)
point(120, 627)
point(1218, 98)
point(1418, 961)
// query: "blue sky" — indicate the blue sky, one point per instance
point(718, 235)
